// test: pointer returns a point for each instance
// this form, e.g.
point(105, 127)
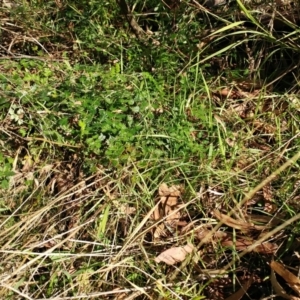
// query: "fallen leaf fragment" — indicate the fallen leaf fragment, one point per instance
point(46, 169)
point(240, 225)
point(270, 207)
point(27, 163)
point(170, 201)
point(269, 220)
point(279, 289)
point(242, 291)
point(159, 231)
point(243, 244)
point(168, 208)
point(292, 280)
point(165, 191)
point(207, 236)
point(174, 255)
point(266, 248)
point(126, 209)
point(267, 192)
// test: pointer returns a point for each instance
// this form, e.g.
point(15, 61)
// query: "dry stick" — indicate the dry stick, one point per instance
point(248, 197)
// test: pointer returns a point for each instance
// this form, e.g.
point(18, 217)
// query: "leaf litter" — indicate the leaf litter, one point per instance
point(291, 280)
point(167, 210)
point(248, 228)
point(174, 255)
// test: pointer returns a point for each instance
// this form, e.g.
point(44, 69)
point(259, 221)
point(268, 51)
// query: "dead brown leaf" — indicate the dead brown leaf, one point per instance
point(243, 161)
point(264, 127)
point(231, 141)
point(249, 85)
point(27, 164)
point(202, 233)
point(239, 225)
point(169, 204)
point(267, 192)
point(46, 169)
point(174, 255)
point(159, 231)
point(270, 221)
point(292, 280)
point(259, 145)
point(168, 198)
point(242, 109)
point(165, 191)
point(279, 289)
point(242, 291)
point(228, 93)
point(270, 207)
point(157, 213)
point(242, 244)
point(126, 209)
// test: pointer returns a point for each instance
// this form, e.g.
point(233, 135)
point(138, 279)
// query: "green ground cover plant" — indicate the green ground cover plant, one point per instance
point(150, 150)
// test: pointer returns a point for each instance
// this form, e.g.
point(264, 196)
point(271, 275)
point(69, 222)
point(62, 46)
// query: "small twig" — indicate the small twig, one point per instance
point(138, 31)
point(7, 50)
